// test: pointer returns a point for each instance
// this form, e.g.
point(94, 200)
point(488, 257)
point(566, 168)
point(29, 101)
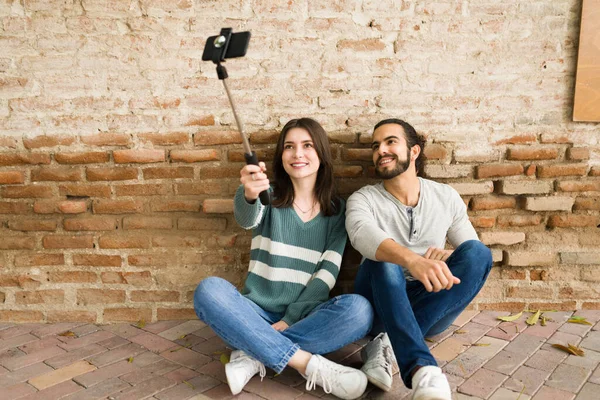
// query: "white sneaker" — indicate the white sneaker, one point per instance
point(240, 369)
point(378, 357)
point(344, 382)
point(430, 383)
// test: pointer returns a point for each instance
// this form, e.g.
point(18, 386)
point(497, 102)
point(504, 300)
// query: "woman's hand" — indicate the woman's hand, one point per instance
point(280, 326)
point(255, 180)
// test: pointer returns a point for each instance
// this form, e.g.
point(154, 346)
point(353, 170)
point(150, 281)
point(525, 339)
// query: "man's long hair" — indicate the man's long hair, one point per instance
point(325, 190)
point(412, 139)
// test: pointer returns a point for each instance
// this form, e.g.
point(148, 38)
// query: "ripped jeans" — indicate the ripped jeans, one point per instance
point(245, 326)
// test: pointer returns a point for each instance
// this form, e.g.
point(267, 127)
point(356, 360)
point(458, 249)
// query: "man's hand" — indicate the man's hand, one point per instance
point(433, 253)
point(280, 326)
point(433, 274)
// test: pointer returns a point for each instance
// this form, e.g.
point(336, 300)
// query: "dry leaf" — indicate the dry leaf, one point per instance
point(130, 360)
point(460, 332)
point(67, 333)
point(534, 318)
point(189, 384)
point(224, 359)
point(480, 344)
point(543, 321)
point(579, 320)
point(430, 340)
point(462, 368)
point(522, 390)
point(570, 349)
point(576, 349)
point(510, 318)
point(182, 336)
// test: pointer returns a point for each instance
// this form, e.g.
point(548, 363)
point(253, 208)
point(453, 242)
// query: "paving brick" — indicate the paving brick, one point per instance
point(55, 392)
point(17, 391)
point(589, 361)
point(508, 330)
point(220, 392)
point(74, 343)
point(152, 342)
point(161, 326)
point(182, 374)
point(487, 347)
point(149, 372)
point(145, 389)
point(114, 342)
point(472, 333)
point(100, 391)
point(524, 344)
point(270, 389)
point(505, 394)
point(53, 329)
point(205, 332)
point(33, 358)
point(465, 317)
point(589, 391)
point(545, 360)
point(464, 365)
point(190, 340)
point(183, 329)
point(189, 388)
point(146, 358)
point(85, 329)
point(17, 341)
point(17, 330)
point(530, 378)
point(575, 329)
point(60, 375)
point(105, 373)
point(23, 374)
point(568, 377)
point(39, 344)
point(561, 338)
point(489, 318)
point(595, 378)
point(217, 371)
point(75, 355)
point(448, 350)
point(591, 341)
point(118, 354)
point(550, 393)
point(186, 357)
point(506, 362)
point(482, 384)
point(123, 330)
point(543, 331)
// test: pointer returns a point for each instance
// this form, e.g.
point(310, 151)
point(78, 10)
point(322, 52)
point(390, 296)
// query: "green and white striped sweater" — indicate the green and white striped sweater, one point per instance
point(293, 264)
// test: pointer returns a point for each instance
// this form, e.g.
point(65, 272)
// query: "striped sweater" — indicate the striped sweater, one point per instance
point(293, 264)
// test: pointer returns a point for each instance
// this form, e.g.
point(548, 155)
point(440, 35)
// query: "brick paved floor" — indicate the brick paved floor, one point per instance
point(171, 360)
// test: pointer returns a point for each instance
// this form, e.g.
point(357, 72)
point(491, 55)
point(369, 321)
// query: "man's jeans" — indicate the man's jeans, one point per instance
point(408, 313)
point(245, 326)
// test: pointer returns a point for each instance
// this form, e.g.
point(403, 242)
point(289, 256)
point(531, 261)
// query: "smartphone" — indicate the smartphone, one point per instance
point(237, 47)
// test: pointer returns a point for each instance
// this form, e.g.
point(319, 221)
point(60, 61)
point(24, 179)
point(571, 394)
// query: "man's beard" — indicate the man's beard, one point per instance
point(400, 168)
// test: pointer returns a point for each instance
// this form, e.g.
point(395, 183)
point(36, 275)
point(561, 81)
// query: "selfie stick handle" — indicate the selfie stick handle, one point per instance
point(249, 155)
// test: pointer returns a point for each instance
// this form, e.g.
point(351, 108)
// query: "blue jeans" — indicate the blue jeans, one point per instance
point(245, 326)
point(409, 313)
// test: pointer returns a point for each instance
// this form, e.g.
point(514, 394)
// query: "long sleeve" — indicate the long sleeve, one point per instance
point(247, 215)
point(324, 278)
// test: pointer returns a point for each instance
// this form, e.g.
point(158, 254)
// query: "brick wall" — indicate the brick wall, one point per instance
point(119, 155)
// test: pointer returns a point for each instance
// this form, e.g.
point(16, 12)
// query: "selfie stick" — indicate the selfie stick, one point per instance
point(221, 43)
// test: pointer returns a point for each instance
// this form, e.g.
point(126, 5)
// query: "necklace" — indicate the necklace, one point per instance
point(301, 210)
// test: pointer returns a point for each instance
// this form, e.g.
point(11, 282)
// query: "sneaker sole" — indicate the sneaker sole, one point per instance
point(229, 384)
point(379, 384)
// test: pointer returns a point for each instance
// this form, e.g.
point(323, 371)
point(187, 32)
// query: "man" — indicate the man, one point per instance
point(417, 288)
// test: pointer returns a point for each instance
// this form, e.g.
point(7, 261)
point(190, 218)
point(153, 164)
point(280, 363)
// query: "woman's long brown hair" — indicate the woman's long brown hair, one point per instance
point(325, 190)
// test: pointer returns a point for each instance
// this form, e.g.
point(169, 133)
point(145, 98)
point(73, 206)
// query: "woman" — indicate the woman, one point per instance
point(283, 316)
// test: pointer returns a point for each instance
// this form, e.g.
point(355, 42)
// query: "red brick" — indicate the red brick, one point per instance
point(40, 297)
point(63, 207)
point(124, 242)
point(8, 159)
point(111, 174)
point(100, 296)
point(264, 137)
point(361, 45)
point(357, 155)
point(72, 277)
point(207, 120)
point(27, 191)
point(217, 206)
point(192, 156)
point(551, 203)
point(56, 174)
point(7, 141)
point(138, 156)
point(579, 186)
point(8, 177)
point(492, 203)
point(26, 225)
point(47, 141)
point(90, 157)
point(21, 316)
point(529, 292)
point(90, 224)
point(175, 314)
point(587, 203)
point(347, 171)
point(153, 296)
point(106, 139)
point(519, 139)
point(176, 241)
point(150, 260)
point(117, 206)
point(143, 278)
point(68, 242)
point(261, 154)
point(550, 171)
point(573, 221)
point(519, 220)
point(127, 314)
point(142, 190)
point(532, 153)
point(231, 171)
point(499, 170)
point(39, 260)
point(561, 306)
point(176, 205)
point(483, 221)
point(203, 224)
point(595, 171)
point(139, 222)
point(435, 152)
point(165, 139)
point(79, 190)
point(17, 243)
point(96, 260)
point(168, 172)
point(578, 153)
point(14, 208)
point(54, 316)
point(530, 170)
point(206, 187)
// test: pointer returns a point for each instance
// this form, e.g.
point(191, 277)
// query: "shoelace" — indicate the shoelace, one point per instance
point(384, 357)
point(312, 380)
point(428, 379)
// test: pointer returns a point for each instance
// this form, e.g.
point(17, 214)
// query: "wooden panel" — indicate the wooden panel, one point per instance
point(587, 84)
